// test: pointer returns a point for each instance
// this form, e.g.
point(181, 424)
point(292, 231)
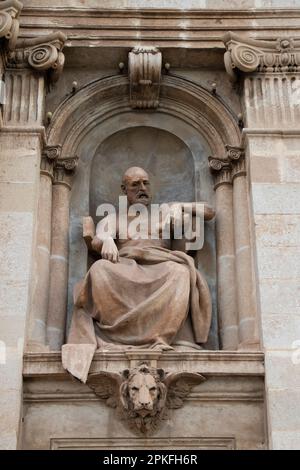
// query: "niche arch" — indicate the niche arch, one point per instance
point(101, 109)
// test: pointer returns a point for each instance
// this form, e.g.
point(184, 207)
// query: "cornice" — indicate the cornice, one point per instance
point(160, 27)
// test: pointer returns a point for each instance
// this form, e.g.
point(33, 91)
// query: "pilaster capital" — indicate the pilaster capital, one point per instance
point(49, 158)
point(144, 66)
point(236, 156)
point(249, 55)
point(221, 170)
point(43, 54)
point(64, 170)
point(228, 168)
point(9, 21)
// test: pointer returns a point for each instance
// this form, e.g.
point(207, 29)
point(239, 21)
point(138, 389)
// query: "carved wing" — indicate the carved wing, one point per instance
point(179, 385)
point(106, 385)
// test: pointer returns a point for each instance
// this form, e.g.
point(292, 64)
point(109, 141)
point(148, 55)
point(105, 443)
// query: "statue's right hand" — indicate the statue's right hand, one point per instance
point(110, 251)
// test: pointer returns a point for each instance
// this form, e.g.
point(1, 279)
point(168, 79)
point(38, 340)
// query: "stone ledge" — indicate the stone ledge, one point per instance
point(214, 363)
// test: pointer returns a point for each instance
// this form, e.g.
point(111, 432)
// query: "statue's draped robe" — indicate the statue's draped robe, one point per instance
point(142, 301)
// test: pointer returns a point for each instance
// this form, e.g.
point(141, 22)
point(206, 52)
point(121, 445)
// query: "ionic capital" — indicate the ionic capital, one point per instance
point(236, 156)
point(221, 170)
point(249, 55)
point(49, 158)
point(43, 54)
point(64, 170)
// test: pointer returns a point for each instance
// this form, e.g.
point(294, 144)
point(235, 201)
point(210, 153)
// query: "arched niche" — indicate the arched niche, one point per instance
point(176, 159)
point(100, 110)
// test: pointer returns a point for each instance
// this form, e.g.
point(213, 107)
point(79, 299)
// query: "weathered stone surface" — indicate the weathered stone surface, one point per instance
point(275, 198)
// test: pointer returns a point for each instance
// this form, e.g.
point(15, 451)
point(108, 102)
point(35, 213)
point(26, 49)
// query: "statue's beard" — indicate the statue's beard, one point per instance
point(143, 198)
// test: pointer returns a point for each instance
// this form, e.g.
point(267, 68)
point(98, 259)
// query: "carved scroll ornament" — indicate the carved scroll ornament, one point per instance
point(43, 53)
point(224, 170)
point(143, 395)
point(9, 22)
point(144, 65)
point(250, 55)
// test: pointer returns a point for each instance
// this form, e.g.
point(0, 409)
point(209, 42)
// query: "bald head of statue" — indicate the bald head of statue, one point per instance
point(136, 186)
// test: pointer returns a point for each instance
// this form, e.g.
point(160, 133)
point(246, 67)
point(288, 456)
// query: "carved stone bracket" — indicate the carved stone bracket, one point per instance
point(143, 395)
point(250, 55)
point(224, 170)
point(64, 170)
point(144, 64)
point(9, 21)
point(49, 157)
point(43, 54)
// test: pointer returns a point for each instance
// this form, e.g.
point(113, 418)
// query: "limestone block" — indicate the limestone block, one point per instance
point(10, 172)
point(283, 369)
point(265, 146)
point(280, 331)
point(278, 263)
point(284, 409)
point(276, 198)
point(17, 197)
point(277, 230)
point(292, 169)
point(264, 169)
point(14, 297)
point(16, 239)
point(285, 440)
point(12, 330)
point(278, 296)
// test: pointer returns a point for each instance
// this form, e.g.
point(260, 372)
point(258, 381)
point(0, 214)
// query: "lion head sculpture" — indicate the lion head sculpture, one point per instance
point(143, 394)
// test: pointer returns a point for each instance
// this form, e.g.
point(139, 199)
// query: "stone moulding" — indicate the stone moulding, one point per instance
point(249, 55)
point(206, 362)
point(117, 443)
point(144, 68)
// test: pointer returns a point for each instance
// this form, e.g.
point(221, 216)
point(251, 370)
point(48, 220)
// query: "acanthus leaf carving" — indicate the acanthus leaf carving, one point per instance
point(144, 64)
point(143, 395)
point(250, 55)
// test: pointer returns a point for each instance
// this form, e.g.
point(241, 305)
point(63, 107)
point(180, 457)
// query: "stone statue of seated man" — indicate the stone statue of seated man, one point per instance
point(140, 294)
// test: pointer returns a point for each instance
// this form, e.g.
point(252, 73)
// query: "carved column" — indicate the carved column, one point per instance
point(22, 137)
point(63, 174)
point(41, 272)
point(269, 82)
point(227, 308)
point(243, 254)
